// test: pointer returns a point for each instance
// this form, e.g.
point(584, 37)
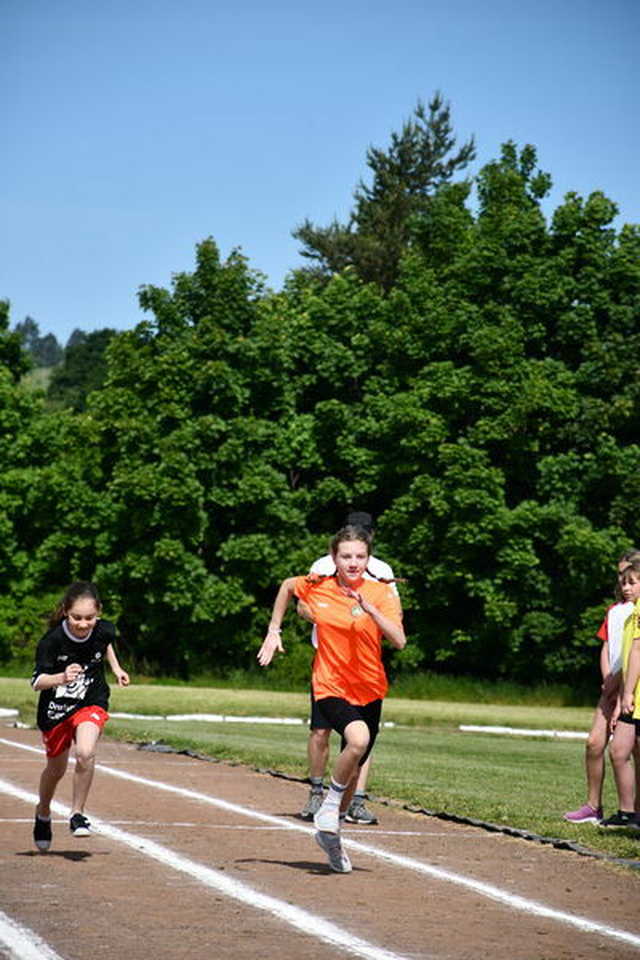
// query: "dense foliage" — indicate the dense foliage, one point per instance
point(484, 408)
point(81, 370)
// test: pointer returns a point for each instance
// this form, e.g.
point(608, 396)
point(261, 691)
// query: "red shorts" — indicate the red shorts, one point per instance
point(60, 737)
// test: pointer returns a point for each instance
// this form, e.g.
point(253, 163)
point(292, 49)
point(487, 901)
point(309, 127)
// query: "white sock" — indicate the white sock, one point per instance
point(333, 798)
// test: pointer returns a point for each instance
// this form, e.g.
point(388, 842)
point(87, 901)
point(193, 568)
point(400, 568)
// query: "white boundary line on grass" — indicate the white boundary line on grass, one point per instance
point(488, 890)
point(219, 718)
point(23, 943)
point(523, 732)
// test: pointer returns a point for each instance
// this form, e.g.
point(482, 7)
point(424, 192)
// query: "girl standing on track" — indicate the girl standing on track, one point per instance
point(348, 680)
point(74, 696)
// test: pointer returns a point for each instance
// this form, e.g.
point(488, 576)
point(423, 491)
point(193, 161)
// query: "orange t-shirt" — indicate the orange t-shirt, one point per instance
point(348, 661)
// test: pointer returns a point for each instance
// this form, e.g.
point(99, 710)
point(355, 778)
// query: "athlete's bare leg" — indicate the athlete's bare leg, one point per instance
point(87, 736)
point(49, 780)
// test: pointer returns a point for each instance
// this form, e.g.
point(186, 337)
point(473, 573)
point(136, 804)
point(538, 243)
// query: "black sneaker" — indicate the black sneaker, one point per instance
point(622, 818)
point(42, 833)
point(79, 825)
point(358, 813)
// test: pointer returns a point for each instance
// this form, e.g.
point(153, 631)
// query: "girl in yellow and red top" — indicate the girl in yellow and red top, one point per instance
point(348, 680)
point(608, 707)
point(627, 729)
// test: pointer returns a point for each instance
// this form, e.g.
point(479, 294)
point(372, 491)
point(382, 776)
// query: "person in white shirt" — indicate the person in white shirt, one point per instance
point(605, 716)
point(319, 733)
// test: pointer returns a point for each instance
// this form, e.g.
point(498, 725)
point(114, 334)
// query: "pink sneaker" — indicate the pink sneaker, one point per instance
point(586, 814)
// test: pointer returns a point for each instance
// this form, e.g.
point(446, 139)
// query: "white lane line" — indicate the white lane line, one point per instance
point(241, 827)
point(523, 732)
point(218, 718)
point(487, 890)
point(309, 924)
point(23, 943)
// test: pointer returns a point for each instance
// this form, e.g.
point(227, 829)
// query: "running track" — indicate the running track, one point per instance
point(192, 859)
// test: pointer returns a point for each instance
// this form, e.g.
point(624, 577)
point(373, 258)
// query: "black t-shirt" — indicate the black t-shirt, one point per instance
point(55, 652)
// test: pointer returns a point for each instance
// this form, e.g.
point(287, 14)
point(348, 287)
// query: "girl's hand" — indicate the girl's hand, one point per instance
point(272, 644)
point(615, 713)
point(122, 677)
point(360, 600)
point(628, 702)
point(72, 671)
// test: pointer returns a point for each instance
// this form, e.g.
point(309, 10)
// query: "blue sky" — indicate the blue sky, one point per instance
point(131, 131)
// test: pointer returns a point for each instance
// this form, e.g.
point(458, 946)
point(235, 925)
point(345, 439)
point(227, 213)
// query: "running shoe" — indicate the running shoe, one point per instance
point(586, 814)
point(330, 843)
point(358, 813)
point(313, 804)
point(79, 825)
point(42, 833)
point(622, 818)
point(327, 819)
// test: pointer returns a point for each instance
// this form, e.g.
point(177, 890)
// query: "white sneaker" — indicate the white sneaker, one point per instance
point(327, 819)
point(332, 846)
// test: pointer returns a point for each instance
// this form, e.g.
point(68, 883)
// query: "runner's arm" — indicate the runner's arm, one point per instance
point(273, 642)
point(391, 629)
point(121, 675)
point(394, 632)
point(45, 681)
point(605, 664)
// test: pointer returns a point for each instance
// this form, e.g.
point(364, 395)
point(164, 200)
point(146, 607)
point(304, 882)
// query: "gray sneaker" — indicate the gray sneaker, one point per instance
point(313, 804)
point(358, 813)
point(330, 843)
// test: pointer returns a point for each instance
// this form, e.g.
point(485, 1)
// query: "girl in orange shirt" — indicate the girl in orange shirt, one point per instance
point(352, 615)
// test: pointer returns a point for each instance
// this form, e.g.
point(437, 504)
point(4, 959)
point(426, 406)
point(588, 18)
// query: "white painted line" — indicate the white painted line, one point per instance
point(523, 732)
point(307, 923)
point(209, 718)
point(218, 718)
point(487, 890)
point(22, 943)
point(212, 717)
point(137, 716)
point(7, 712)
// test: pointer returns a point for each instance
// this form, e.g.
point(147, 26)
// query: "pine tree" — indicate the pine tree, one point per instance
point(405, 176)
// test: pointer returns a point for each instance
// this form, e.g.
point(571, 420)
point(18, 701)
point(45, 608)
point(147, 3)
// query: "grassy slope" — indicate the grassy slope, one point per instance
point(521, 782)
point(38, 378)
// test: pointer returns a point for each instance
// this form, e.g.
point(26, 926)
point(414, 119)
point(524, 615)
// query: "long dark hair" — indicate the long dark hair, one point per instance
point(77, 590)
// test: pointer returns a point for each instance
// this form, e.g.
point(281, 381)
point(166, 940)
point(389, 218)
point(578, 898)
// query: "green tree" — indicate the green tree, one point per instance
point(45, 351)
point(514, 451)
point(83, 369)
point(484, 408)
point(404, 177)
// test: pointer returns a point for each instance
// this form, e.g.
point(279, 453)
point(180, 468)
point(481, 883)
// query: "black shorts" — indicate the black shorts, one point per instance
point(317, 720)
point(628, 718)
point(339, 713)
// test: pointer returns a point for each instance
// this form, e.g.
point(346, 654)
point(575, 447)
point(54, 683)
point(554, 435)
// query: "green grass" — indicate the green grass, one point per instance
point(523, 782)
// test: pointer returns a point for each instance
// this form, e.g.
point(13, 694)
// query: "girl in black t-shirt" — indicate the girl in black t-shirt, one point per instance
point(74, 698)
